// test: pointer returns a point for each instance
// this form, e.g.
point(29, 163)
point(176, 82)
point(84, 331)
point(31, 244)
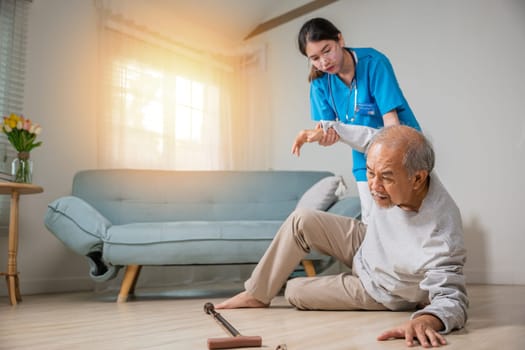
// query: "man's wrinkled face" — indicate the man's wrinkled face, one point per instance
point(388, 179)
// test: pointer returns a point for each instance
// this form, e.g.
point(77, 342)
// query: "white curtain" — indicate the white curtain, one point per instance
point(166, 106)
point(254, 129)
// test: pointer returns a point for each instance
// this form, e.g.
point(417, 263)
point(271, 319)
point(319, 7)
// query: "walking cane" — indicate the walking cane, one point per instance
point(236, 340)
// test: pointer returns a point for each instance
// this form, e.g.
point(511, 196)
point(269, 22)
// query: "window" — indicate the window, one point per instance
point(13, 37)
point(161, 109)
point(13, 32)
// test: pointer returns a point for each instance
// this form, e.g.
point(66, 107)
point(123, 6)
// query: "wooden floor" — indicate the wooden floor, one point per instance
point(176, 320)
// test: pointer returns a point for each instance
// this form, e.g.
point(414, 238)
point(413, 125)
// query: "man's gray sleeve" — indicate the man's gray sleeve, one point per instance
point(445, 284)
point(356, 136)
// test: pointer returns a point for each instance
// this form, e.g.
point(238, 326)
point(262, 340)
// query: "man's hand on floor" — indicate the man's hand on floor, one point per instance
point(423, 328)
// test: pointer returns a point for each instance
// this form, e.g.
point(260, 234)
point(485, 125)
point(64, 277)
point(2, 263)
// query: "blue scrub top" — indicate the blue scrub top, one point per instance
point(378, 93)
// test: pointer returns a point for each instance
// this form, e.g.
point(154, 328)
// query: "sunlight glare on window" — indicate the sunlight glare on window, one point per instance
point(197, 104)
point(161, 110)
point(189, 110)
point(183, 123)
point(146, 112)
point(183, 91)
point(153, 119)
point(196, 120)
point(197, 95)
point(152, 110)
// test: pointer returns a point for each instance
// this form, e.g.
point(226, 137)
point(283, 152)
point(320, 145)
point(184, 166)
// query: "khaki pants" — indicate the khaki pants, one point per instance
point(306, 229)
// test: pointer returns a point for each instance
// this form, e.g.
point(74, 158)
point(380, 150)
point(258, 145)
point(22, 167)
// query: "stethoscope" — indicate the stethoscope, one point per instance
point(353, 85)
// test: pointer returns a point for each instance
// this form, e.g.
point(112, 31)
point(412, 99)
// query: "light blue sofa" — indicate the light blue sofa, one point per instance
point(131, 218)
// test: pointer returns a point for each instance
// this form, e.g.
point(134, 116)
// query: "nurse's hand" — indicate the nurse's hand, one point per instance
point(423, 328)
point(306, 136)
point(329, 138)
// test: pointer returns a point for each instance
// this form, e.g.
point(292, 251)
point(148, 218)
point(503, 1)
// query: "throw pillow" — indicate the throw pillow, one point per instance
point(322, 194)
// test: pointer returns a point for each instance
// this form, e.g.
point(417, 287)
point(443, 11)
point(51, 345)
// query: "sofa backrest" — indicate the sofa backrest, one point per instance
point(125, 195)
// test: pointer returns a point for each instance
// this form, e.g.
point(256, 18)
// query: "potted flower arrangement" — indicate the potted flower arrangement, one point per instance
point(21, 133)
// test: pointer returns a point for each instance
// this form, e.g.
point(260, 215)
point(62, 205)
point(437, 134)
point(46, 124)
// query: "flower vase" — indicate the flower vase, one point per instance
point(22, 168)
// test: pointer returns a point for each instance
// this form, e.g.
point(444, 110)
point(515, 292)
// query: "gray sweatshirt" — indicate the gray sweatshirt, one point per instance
point(409, 258)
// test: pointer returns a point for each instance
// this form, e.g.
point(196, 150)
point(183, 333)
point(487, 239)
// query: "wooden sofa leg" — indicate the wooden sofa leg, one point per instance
point(309, 268)
point(128, 283)
point(135, 279)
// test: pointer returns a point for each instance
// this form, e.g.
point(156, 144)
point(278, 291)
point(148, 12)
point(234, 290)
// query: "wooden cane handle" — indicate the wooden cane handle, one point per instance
point(234, 342)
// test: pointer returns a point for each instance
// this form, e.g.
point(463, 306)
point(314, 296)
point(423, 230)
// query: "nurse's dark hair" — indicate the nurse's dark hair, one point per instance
point(419, 153)
point(316, 29)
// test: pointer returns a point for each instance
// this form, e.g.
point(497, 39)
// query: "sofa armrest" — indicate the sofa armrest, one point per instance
point(347, 206)
point(76, 224)
point(81, 228)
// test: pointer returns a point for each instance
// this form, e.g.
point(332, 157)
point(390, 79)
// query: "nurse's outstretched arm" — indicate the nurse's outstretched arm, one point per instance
point(330, 136)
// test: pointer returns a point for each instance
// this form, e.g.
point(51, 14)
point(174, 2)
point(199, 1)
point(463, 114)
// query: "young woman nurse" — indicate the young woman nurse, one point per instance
point(350, 86)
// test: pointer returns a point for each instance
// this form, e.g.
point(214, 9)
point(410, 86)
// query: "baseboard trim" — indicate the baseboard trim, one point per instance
point(77, 284)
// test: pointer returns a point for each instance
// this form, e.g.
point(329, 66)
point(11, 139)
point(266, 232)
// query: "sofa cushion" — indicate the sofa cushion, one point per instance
point(322, 194)
point(77, 224)
point(188, 242)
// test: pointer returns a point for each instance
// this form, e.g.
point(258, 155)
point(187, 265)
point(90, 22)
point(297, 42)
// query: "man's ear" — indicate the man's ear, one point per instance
point(420, 179)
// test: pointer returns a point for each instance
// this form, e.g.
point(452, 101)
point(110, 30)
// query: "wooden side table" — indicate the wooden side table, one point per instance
point(14, 189)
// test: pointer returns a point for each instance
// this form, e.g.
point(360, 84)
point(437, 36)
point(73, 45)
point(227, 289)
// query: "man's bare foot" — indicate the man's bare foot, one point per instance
point(241, 300)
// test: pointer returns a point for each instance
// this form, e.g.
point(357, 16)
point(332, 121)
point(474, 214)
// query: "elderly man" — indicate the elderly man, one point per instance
point(410, 256)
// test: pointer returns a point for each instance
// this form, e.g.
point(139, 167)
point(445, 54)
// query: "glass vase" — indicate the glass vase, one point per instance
point(22, 168)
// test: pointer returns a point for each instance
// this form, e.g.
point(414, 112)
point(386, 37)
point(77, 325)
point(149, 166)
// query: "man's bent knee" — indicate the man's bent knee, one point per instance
point(292, 293)
point(302, 215)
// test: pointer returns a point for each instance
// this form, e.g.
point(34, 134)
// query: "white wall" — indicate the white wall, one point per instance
point(60, 94)
point(458, 62)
